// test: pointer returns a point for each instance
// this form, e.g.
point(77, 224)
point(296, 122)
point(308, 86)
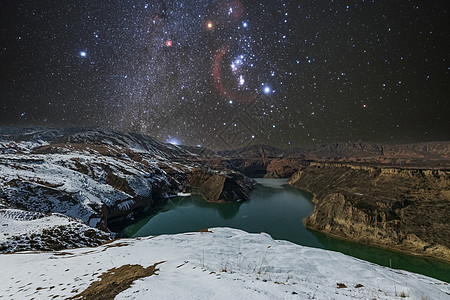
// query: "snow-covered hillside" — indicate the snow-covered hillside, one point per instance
point(90, 175)
point(94, 175)
point(28, 139)
point(220, 264)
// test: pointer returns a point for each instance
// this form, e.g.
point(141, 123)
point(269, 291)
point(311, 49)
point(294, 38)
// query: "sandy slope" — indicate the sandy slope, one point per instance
point(224, 264)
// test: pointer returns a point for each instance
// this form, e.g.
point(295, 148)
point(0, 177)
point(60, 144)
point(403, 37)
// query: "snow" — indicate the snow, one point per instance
point(184, 194)
point(93, 222)
point(17, 222)
point(25, 230)
point(127, 204)
point(57, 174)
point(222, 264)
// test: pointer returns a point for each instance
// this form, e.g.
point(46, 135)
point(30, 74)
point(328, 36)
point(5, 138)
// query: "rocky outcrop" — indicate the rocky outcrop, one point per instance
point(401, 209)
point(252, 161)
point(252, 167)
point(284, 167)
point(219, 186)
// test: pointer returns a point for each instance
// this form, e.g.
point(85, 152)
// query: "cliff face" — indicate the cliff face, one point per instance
point(217, 186)
point(402, 209)
point(284, 167)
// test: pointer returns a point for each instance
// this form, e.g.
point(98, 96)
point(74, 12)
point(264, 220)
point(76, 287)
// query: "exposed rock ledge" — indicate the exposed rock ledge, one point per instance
point(400, 209)
point(219, 186)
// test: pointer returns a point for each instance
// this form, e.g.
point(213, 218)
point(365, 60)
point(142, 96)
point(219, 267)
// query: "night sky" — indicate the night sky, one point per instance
point(230, 73)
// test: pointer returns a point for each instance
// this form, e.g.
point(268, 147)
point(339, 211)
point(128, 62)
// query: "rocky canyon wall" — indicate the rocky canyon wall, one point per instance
point(401, 209)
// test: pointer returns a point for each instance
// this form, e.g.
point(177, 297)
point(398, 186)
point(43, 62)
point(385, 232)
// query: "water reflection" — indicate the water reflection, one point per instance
point(225, 210)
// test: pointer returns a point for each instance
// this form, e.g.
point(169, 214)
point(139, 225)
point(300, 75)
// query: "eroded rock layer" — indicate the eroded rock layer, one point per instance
point(402, 209)
point(219, 186)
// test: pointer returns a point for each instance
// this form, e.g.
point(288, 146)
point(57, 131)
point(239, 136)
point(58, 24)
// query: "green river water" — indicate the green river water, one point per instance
point(278, 209)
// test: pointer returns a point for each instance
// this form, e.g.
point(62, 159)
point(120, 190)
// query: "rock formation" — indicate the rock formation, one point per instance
point(401, 209)
point(219, 186)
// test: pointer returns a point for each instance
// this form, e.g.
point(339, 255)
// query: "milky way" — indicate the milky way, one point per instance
point(230, 73)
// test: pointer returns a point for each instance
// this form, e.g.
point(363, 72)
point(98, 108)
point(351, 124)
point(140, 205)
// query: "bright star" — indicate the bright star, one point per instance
point(267, 90)
point(168, 43)
point(241, 80)
point(83, 53)
point(210, 25)
point(244, 24)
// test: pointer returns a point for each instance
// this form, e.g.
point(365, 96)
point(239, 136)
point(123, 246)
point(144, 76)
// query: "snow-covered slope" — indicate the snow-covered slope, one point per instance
point(221, 264)
point(75, 171)
point(76, 183)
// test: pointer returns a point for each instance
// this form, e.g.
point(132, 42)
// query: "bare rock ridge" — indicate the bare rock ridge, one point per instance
point(95, 175)
point(261, 160)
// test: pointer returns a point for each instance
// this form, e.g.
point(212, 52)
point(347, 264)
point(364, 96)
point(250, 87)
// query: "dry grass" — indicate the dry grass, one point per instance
point(115, 281)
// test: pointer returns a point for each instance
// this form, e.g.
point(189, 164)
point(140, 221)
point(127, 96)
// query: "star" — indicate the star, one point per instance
point(241, 80)
point(209, 25)
point(140, 63)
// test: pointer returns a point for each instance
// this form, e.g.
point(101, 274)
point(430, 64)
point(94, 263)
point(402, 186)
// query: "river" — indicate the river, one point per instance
point(278, 209)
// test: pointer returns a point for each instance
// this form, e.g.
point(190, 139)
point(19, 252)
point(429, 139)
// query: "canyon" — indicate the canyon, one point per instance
point(390, 196)
point(77, 180)
point(400, 209)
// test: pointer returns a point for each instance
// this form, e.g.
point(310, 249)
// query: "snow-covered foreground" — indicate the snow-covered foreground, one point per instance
point(221, 264)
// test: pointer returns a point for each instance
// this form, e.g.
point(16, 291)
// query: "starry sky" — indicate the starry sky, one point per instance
point(230, 73)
